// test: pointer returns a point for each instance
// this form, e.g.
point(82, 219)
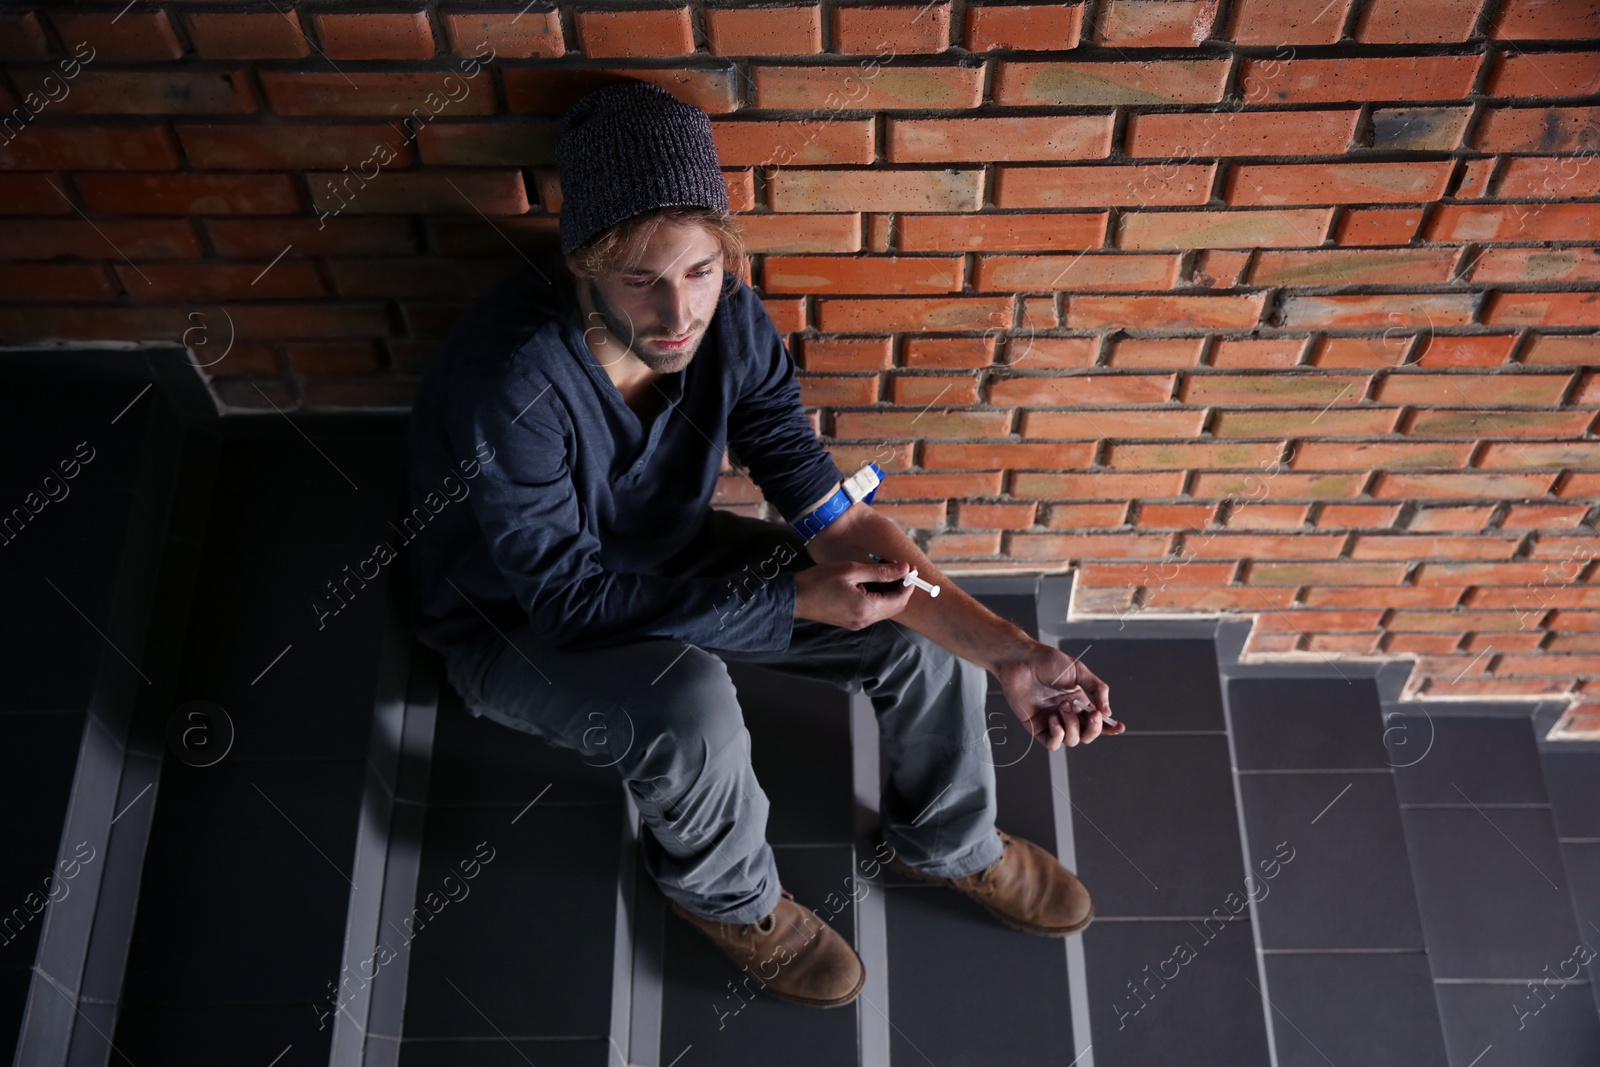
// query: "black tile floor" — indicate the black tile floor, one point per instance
point(1286, 869)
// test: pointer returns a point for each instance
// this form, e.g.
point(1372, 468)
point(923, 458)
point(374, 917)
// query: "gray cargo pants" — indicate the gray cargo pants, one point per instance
point(665, 714)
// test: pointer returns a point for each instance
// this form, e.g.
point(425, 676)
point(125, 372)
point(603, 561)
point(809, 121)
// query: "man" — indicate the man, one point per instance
point(581, 591)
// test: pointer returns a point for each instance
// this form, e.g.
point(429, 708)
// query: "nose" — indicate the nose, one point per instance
point(676, 314)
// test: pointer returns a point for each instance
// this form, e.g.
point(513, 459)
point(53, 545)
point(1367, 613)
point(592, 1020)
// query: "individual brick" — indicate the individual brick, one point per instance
point(1053, 352)
point(1043, 137)
point(866, 315)
point(1418, 129)
point(764, 31)
point(1082, 391)
point(1092, 546)
point(885, 88)
point(1218, 268)
point(784, 232)
point(246, 36)
point(1270, 185)
point(1514, 222)
point(1271, 422)
point(127, 92)
point(396, 94)
point(1324, 267)
point(943, 352)
point(891, 29)
point(1377, 225)
point(312, 237)
point(288, 278)
point(90, 148)
point(1393, 310)
point(25, 239)
point(1538, 129)
point(492, 192)
point(1380, 455)
point(550, 91)
point(1192, 455)
point(1515, 390)
point(635, 33)
point(1075, 273)
point(1417, 21)
point(838, 392)
point(1287, 22)
point(1057, 84)
point(950, 189)
point(1272, 389)
point(57, 282)
point(1564, 350)
point(1087, 515)
point(1153, 353)
point(1475, 175)
point(120, 37)
point(1386, 350)
point(1154, 23)
point(861, 274)
point(1164, 312)
point(1302, 81)
point(217, 147)
point(1518, 73)
point(1002, 456)
point(521, 35)
point(189, 194)
point(1099, 186)
point(1484, 350)
point(22, 38)
point(1545, 20)
point(758, 143)
point(487, 144)
point(1041, 27)
point(1112, 422)
point(1240, 133)
point(401, 35)
point(1542, 309)
point(1525, 265)
point(1549, 177)
point(1002, 232)
point(1223, 229)
point(1257, 352)
point(1496, 422)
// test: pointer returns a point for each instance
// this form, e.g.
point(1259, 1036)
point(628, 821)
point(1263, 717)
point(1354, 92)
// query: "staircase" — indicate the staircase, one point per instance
point(289, 842)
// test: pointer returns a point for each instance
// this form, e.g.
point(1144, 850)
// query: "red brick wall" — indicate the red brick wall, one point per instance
point(1277, 307)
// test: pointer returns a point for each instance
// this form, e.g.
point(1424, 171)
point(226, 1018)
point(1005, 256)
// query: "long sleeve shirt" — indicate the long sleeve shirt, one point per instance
point(537, 496)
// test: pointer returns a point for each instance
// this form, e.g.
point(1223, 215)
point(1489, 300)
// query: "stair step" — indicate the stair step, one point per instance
point(1157, 835)
point(1497, 910)
point(1339, 927)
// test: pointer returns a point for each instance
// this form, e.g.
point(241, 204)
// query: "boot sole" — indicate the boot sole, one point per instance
point(809, 1002)
point(1037, 931)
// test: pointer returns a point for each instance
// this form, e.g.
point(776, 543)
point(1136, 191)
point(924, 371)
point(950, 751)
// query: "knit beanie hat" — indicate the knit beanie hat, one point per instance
point(630, 147)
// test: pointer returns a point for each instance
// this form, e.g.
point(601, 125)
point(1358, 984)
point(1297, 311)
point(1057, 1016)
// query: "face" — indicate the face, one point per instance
point(670, 295)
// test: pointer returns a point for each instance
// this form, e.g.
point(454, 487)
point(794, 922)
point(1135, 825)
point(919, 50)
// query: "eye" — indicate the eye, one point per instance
point(706, 273)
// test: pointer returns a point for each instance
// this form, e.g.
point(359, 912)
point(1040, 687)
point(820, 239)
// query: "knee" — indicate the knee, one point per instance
point(691, 706)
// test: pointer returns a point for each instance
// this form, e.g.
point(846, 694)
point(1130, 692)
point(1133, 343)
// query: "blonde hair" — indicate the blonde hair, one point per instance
point(620, 248)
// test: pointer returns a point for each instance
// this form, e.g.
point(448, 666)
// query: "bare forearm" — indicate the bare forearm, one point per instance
point(955, 620)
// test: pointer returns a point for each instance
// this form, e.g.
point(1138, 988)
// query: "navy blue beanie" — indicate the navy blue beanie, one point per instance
point(630, 147)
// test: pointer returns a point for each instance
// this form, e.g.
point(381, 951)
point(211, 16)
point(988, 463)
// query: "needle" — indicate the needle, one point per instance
point(910, 579)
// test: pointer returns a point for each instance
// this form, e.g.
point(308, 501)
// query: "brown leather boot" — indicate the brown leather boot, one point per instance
point(1026, 888)
point(791, 953)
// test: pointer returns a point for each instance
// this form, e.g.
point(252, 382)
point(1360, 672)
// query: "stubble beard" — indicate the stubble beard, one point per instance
point(621, 327)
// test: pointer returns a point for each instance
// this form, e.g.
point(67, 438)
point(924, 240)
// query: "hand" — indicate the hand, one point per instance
point(839, 593)
point(1043, 685)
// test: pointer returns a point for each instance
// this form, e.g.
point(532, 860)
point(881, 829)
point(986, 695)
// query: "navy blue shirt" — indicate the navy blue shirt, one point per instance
point(537, 496)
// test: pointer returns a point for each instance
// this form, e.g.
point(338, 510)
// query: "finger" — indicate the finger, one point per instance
point(1070, 723)
point(1055, 736)
point(1090, 727)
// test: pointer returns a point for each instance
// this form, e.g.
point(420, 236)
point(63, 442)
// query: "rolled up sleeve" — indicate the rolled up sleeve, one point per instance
point(768, 427)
